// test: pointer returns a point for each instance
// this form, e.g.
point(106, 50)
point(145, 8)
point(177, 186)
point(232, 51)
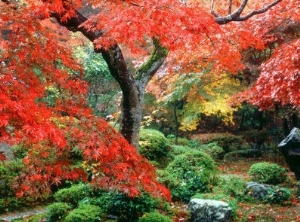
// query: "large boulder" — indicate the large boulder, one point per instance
point(203, 210)
point(290, 148)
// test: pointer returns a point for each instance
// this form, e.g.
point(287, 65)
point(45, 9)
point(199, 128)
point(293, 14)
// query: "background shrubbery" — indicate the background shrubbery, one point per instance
point(269, 173)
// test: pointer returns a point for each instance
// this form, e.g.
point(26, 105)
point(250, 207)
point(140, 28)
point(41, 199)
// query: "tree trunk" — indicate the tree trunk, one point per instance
point(132, 84)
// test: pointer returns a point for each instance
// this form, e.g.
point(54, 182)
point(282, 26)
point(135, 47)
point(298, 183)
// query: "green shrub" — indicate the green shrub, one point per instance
point(213, 150)
point(278, 195)
point(85, 213)
point(228, 142)
point(179, 149)
point(8, 172)
point(154, 217)
point(242, 154)
point(232, 202)
point(10, 203)
point(182, 141)
point(269, 173)
point(57, 211)
point(189, 173)
point(153, 145)
point(73, 194)
point(124, 207)
point(232, 186)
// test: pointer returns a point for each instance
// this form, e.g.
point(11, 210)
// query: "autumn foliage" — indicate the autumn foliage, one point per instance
point(34, 64)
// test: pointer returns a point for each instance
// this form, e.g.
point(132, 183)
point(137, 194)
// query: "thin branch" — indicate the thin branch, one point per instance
point(236, 16)
point(212, 11)
point(230, 7)
point(260, 11)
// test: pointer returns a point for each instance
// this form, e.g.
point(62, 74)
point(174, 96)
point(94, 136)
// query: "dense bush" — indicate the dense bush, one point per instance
point(10, 203)
point(278, 195)
point(153, 145)
point(228, 142)
point(213, 150)
point(189, 173)
point(242, 154)
point(232, 186)
point(269, 173)
point(232, 202)
point(73, 194)
point(8, 172)
point(124, 207)
point(154, 217)
point(57, 211)
point(179, 149)
point(85, 213)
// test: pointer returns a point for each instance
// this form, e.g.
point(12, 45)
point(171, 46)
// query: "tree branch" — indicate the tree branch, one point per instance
point(236, 16)
point(153, 63)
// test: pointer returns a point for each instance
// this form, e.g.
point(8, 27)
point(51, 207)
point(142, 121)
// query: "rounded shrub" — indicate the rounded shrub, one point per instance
point(153, 145)
point(213, 150)
point(85, 213)
point(278, 195)
point(232, 186)
point(178, 149)
point(270, 173)
point(154, 217)
point(73, 194)
point(57, 211)
point(188, 174)
point(124, 207)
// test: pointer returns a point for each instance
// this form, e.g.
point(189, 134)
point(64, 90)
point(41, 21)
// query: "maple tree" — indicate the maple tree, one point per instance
point(51, 131)
point(165, 31)
point(174, 31)
point(277, 85)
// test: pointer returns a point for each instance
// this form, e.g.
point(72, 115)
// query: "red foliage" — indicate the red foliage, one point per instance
point(32, 62)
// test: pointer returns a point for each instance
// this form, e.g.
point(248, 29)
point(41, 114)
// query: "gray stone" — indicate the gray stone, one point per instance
point(6, 150)
point(290, 148)
point(257, 190)
point(203, 210)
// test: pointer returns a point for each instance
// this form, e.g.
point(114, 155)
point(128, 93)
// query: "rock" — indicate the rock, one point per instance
point(6, 151)
point(210, 211)
point(290, 148)
point(257, 190)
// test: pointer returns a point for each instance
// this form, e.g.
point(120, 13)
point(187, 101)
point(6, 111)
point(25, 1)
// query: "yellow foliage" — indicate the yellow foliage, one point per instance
point(210, 99)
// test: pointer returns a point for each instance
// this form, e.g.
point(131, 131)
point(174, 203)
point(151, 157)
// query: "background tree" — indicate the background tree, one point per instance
point(277, 86)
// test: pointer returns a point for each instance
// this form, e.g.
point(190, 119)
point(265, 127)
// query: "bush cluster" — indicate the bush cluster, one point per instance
point(278, 195)
point(153, 145)
point(189, 173)
point(242, 154)
point(228, 142)
point(57, 211)
point(213, 150)
point(85, 213)
point(154, 217)
point(74, 194)
point(269, 173)
point(80, 197)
